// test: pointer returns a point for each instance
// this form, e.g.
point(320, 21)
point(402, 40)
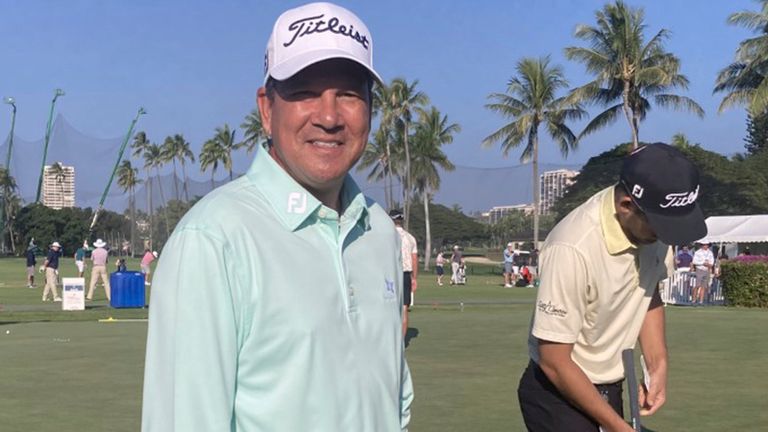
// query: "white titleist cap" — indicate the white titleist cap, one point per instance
point(315, 32)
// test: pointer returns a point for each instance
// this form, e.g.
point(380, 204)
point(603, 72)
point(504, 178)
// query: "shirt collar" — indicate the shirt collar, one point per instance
point(615, 239)
point(293, 204)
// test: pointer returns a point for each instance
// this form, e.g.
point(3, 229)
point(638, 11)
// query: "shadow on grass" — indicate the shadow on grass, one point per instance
point(411, 333)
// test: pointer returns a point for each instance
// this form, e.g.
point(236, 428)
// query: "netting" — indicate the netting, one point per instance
point(474, 189)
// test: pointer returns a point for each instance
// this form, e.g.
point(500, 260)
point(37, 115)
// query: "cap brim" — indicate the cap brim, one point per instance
point(678, 230)
point(294, 65)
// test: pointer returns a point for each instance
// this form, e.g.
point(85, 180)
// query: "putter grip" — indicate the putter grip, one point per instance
point(628, 358)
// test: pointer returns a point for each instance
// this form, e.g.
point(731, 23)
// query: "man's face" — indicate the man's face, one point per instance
point(319, 121)
point(634, 223)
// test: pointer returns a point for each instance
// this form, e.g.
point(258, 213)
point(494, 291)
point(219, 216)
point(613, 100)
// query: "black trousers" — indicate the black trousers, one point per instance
point(406, 288)
point(546, 410)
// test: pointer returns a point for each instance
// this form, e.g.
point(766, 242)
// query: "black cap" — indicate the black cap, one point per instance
point(396, 214)
point(665, 185)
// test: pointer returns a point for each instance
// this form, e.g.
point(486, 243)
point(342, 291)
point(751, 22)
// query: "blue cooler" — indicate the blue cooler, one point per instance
point(127, 289)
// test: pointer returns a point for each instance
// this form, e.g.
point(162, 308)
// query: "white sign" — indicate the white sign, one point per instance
point(73, 294)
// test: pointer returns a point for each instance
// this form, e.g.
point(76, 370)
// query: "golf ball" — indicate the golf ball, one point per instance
point(7, 332)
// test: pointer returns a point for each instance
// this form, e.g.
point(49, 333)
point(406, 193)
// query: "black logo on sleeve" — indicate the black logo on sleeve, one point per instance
point(550, 309)
point(314, 24)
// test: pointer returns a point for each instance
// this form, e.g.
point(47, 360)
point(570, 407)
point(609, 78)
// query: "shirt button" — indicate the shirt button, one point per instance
point(322, 213)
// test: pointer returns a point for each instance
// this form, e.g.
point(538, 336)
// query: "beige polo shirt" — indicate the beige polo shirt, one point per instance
point(408, 248)
point(595, 288)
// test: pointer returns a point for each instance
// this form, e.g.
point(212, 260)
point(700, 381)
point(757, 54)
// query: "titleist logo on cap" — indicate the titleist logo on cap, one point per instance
point(315, 24)
point(680, 199)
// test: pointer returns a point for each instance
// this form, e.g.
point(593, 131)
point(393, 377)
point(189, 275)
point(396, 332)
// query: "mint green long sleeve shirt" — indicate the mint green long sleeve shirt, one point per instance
point(270, 312)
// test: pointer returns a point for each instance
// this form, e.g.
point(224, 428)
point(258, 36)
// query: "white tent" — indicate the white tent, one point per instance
point(737, 229)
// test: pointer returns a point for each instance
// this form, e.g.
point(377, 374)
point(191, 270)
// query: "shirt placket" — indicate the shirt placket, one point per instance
point(334, 226)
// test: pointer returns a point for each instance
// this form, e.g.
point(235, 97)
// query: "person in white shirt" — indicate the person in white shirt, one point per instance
point(703, 263)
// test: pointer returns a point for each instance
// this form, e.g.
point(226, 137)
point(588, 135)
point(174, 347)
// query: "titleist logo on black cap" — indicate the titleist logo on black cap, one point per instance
point(680, 199)
point(315, 24)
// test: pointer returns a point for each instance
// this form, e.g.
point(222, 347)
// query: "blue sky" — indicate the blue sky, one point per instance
point(195, 65)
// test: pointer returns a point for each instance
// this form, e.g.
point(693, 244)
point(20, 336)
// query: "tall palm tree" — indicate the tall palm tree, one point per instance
point(404, 99)
point(12, 208)
point(8, 187)
point(225, 138)
point(432, 131)
point(128, 179)
point(381, 104)
point(531, 99)
point(253, 130)
point(168, 152)
point(628, 72)
point(377, 157)
point(745, 81)
point(210, 155)
point(179, 149)
point(140, 147)
point(154, 158)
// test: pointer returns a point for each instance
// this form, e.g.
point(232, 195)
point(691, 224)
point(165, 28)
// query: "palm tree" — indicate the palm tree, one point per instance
point(377, 157)
point(432, 131)
point(680, 141)
point(168, 151)
point(531, 100)
point(225, 138)
point(627, 70)
point(128, 179)
point(154, 158)
point(8, 187)
point(177, 148)
point(253, 130)
point(382, 108)
point(12, 208)
point(404, 99)
point(744, 81)
point(211, 154)
point(140, 146)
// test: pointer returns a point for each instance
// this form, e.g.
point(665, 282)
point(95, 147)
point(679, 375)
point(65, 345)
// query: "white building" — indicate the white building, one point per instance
point(59, 186)
point(553, 185)
point(495, 214)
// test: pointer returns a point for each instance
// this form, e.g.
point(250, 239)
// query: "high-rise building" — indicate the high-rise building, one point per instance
point(552, 186)
point(59, 186)
point(495, 214)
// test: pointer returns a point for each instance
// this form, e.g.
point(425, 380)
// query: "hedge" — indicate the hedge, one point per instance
point(745, 281)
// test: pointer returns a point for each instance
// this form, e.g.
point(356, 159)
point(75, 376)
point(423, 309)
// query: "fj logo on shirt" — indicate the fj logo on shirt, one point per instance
point(550, 309)
point(389, 290)
point(297, 202)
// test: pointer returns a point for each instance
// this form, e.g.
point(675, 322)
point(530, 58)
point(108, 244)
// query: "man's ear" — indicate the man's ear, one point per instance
point(265, 110)
point(624, 205)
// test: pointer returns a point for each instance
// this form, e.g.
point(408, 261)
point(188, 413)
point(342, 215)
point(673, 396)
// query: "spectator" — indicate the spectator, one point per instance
point(31, 263)
point(703, 262)
point(439, 267)
point(683, 259)
point(99, 257)
point(509, 262)
point(51, 266)
point(80, 258)
point(146, 263)
point(410, 259)
point(457, 260)
point(278, 303)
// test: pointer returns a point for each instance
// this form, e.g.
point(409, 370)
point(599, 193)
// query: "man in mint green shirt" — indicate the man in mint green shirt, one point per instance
point(277, 300)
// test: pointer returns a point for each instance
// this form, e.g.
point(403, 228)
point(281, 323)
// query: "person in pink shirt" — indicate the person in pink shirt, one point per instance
point(99, 256)
point(146, 261)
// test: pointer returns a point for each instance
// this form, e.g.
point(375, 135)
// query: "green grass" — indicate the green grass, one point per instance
point(65, 372)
